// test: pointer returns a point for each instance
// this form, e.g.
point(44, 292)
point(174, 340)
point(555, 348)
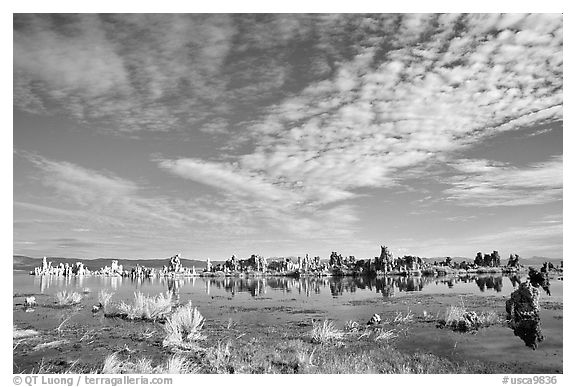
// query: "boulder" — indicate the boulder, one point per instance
point(523, 309)
point(469, 322)
point(375, 319)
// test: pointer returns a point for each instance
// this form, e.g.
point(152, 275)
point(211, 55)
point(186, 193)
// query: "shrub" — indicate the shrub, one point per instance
point(324, 332)
point(147, 307)
point(460, 319)
point(183, 327)
point(65, 298)
point(104, 297)
point(351, 326)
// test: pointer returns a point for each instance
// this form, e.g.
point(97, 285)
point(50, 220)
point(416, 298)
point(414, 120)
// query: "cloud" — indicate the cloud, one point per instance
point(481, 183)
point(120, 69)
point(382, 113)
point(417, 103)
point(224, 176)
point(310, 111)
point(442, 84)
point(107, 198)
point(283, 207)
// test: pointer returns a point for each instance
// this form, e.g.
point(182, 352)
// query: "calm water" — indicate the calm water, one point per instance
point(309, 289)
point(257, 303)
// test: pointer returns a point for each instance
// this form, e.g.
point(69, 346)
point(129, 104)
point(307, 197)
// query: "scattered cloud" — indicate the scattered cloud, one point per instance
point(386, 112)
point(306, 113)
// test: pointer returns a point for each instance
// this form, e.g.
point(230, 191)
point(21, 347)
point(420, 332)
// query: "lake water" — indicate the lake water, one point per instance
point(282, 301)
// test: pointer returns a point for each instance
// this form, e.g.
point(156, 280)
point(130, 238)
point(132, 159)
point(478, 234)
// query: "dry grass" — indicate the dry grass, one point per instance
point(66, 298)
point(219, 358)
point(351, 326)
point(23, 333)
point(459, 318)
point(147, 307)
point(50, 344)
point(104, 297)
point(176, 364)
point(409, 317)
point(323, 332)
point(385, 335)
point(183, 328)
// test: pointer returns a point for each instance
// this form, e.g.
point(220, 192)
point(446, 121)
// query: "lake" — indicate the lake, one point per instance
point(260, 303)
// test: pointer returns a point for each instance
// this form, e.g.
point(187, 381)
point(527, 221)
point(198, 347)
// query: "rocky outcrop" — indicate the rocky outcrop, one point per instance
point(469, 322)
point(487, 260)
point(523, 309)
point(174, 266)
point(539, 279)
point(514, 261)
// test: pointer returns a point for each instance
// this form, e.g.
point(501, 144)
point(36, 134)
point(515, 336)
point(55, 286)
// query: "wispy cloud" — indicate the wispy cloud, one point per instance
point(481, 183)
point(224, 176)
point(111, 199)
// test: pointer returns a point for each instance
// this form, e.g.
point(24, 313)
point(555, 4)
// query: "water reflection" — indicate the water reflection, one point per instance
point(490, 283)
point(305, 286)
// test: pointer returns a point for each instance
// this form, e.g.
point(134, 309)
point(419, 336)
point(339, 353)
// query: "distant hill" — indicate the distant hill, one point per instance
point(442, 259)
point(533, 261)
point(21, 262)
point(538, 261)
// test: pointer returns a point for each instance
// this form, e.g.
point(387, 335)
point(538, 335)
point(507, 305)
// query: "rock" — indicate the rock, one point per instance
point(95, 308)
point(523, 309)
point(539, 279)
point(469, 322)
point(30, 301)
point(375, 319)
point(524, 302)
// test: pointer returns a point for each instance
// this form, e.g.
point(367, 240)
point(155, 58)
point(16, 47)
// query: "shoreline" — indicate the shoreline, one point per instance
point(433, 272)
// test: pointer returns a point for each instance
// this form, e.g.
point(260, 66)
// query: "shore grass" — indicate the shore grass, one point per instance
point(325, 331)
point(175, 364)
point(104, 297)
point(23, 333)
point(66, 298)
point(146, 307)
point(460, 319)
point(183, 327)
point(296, 356)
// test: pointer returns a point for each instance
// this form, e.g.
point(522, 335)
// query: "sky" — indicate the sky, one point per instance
point(143, 136)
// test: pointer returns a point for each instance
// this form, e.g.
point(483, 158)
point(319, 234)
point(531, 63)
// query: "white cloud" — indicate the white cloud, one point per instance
point(482, 183)
point(371, 120)
point(395, 92)
point(224, 176)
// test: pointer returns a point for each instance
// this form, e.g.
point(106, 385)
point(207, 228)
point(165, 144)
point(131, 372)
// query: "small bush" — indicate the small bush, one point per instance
point(23, 333)
point(324, 332)
point(65, 298)
point(460, 319)
point(351, 326)
point(104, 297)
point(219, 357)
point(146, 307)
point(183, 327)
